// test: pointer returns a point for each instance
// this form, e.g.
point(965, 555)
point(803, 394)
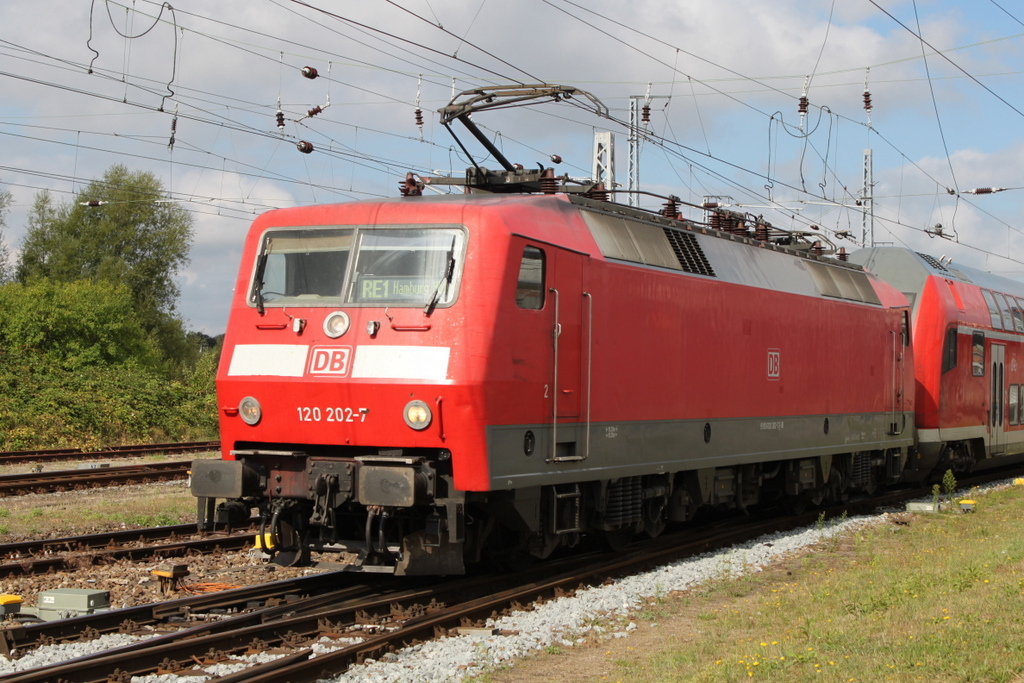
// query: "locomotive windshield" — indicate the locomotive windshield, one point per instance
point(369, 266)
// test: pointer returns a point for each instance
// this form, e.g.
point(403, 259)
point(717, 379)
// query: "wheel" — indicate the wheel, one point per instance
point(655, 520)
point(290, 550)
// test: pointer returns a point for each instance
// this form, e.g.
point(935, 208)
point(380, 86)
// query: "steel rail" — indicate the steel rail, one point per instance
point(23, 637)
point(64, 480)
point(11, 457)
point(77, 559)
point(46, 546)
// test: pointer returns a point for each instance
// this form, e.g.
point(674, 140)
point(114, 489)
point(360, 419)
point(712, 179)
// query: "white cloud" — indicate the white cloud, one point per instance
point(229, 162)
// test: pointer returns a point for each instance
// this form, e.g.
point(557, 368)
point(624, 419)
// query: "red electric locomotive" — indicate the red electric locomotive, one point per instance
point(417, 382)
point(968, 331)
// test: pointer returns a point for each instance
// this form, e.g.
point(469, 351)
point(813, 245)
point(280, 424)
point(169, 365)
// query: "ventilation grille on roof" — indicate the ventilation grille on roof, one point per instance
point(653, 245)
point(691, 256)
point(933, 262)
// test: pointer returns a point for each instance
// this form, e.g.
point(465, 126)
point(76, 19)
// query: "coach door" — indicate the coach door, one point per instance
point(569, 344)
point(997, 435)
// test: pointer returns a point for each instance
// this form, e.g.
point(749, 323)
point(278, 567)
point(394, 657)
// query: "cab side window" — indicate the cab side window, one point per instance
point(530, 285)
point(949, 350)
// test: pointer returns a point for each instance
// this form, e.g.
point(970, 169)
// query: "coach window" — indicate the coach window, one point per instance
point(949, 350)
point(1005, 311)
point(993, 309)
point(1018, 315)
point(530, 286)
point(978, 354)
point(1014, 404)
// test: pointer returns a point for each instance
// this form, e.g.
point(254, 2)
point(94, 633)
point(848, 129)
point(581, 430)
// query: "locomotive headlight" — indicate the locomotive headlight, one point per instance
point(417, 415)
point(336, 324)
point(249, 410)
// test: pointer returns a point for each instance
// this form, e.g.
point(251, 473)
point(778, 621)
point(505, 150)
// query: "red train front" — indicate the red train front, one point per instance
point(417, 382)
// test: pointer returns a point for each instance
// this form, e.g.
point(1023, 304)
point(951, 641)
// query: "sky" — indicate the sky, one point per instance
point(86, 85)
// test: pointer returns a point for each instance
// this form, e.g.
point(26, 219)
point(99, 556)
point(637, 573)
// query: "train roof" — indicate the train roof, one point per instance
point(762, 257)
point(908, 270)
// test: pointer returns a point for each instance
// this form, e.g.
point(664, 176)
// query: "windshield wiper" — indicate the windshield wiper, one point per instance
point(261, 266)
point(449, 271)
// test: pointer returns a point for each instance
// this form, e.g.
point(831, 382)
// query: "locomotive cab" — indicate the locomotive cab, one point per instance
point(328, 393)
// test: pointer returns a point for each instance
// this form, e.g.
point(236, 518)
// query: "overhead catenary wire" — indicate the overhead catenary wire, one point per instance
point(245, 128)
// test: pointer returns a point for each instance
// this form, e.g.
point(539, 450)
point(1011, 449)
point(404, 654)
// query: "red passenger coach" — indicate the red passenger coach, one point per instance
point(968, 329)
point(418, 383)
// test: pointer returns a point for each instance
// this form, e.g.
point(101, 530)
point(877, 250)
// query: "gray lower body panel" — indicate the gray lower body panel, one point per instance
point(608, 450)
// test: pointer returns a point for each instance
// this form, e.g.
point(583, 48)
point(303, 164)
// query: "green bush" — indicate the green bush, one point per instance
point(75, 370)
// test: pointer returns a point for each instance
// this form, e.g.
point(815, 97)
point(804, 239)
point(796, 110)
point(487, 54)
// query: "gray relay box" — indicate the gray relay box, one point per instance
point(62, 603)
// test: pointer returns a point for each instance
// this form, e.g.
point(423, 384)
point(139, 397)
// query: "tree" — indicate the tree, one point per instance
point(6, 271)
point(74, 324)
point(119, 229)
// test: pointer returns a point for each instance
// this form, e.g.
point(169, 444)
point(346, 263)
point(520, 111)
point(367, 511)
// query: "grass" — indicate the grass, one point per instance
point(928, 597)
point(940, 598)
point(94, 510)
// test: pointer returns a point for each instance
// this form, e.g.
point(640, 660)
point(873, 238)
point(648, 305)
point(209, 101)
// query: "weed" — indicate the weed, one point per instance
point(949, 486)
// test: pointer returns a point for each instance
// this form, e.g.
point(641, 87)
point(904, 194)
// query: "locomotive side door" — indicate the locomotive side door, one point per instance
point(896, 391)
point(565, 289)
point(997, 435)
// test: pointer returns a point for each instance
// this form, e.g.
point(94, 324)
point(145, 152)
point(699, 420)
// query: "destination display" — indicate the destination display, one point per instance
point(393, 288)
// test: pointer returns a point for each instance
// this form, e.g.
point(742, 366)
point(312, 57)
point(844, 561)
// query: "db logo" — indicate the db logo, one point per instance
point(774, 363)
point(329, 360)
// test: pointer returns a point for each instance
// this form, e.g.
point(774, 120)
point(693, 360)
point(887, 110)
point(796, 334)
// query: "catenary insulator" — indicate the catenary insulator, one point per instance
point(803, 104)
point(670, 209)
point(598, 192)
point(304, 147)
point(645, 116)
point(280, 120)
point(314, 111)
point(715, 219)
point(736, 226)
point(548, 182)
point(419, 117)
point(555, 159)
point(310, 72)
point(867, 101)
point(412, 186)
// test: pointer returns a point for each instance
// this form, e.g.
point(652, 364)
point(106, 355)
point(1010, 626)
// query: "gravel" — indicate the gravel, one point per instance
point(600, 611)
point(565, 621)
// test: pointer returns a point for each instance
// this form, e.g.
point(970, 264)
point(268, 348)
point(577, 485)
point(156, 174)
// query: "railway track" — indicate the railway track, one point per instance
point(382, 616)
point(112, 452)
point(368, 624)
point(38, 557)
point(69, 480)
